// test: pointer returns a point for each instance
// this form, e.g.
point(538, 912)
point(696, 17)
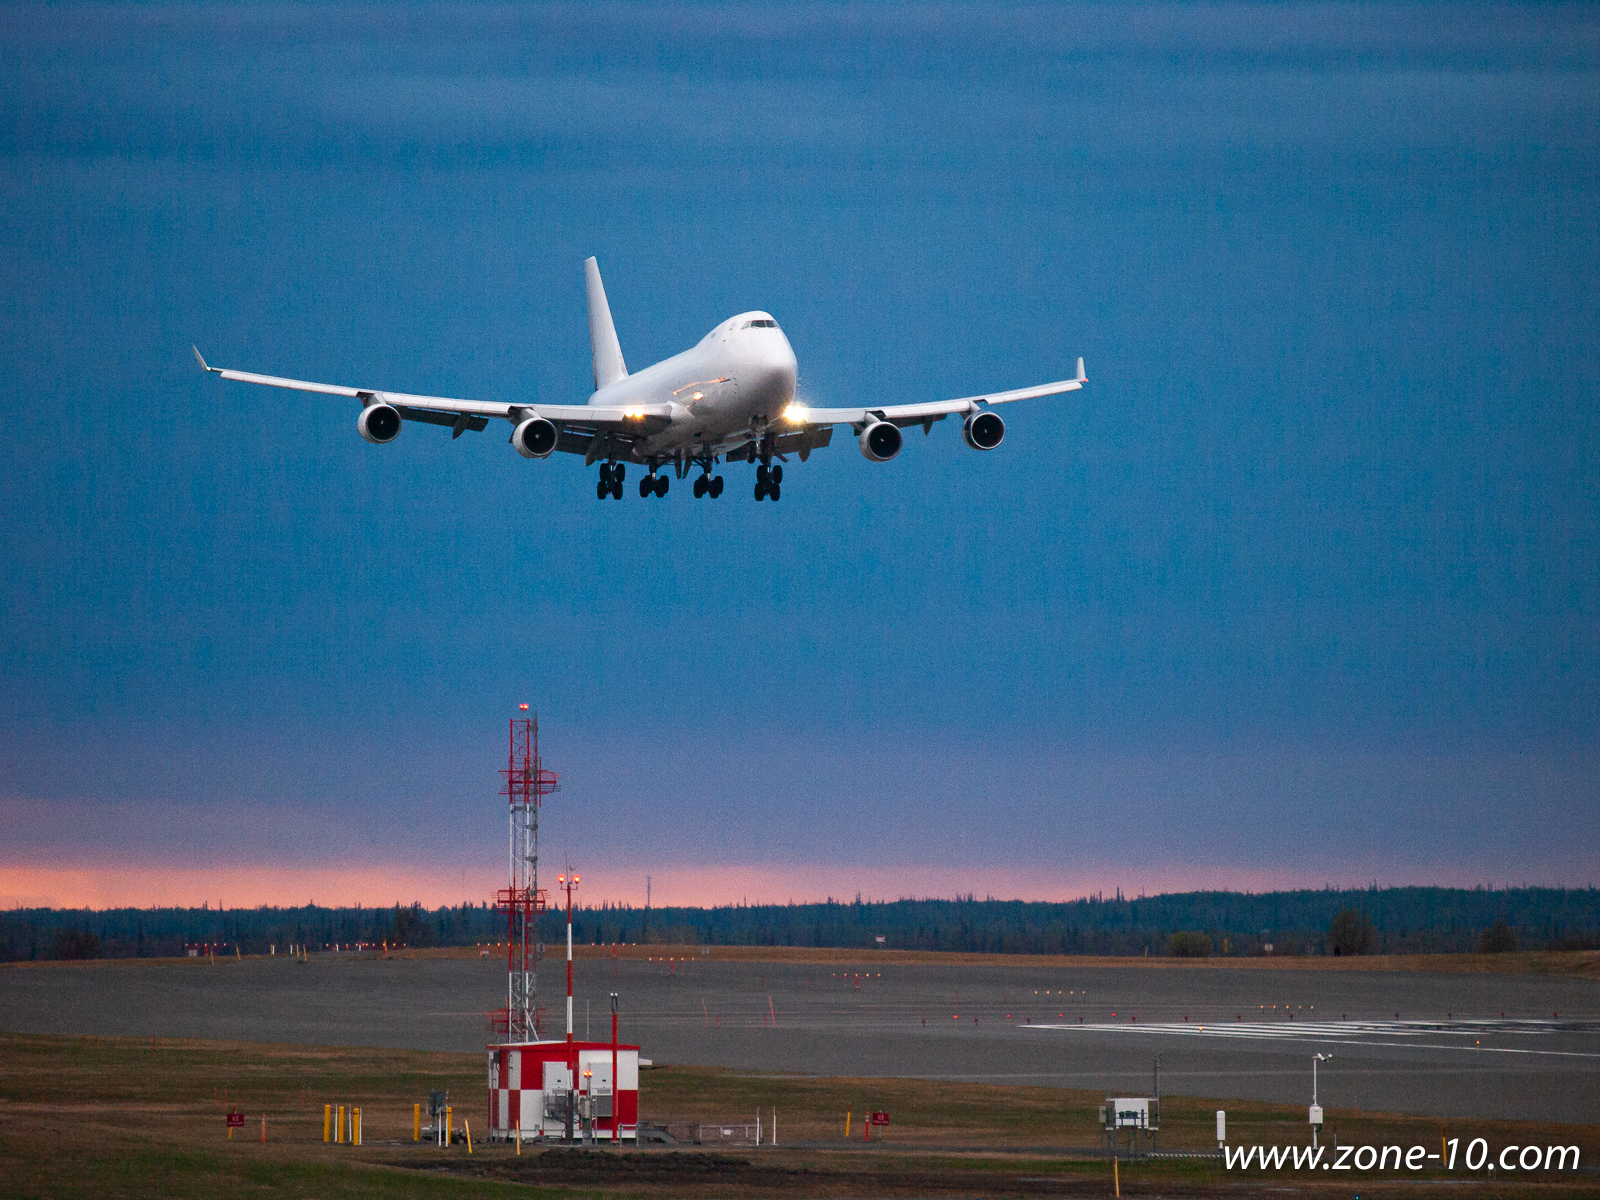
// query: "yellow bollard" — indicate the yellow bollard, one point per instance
point(467, 1125)
point(1116, 1181)
point(519, 1137)
point(847, 1126)
point(338, 1126)
point(449, 1125)
point(416, 1122)
point(355, 1127)
point(327, 1122)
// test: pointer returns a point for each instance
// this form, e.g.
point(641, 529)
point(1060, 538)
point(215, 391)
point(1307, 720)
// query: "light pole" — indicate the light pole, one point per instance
point(616, 1113)
point(1158, 1103)
point(567, 884)
point(1316, 1109)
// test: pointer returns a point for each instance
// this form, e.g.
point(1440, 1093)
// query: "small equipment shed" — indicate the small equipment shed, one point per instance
point(530, 1083)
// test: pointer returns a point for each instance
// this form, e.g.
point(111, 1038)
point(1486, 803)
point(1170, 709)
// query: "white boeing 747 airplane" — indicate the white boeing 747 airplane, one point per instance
point(729, 397)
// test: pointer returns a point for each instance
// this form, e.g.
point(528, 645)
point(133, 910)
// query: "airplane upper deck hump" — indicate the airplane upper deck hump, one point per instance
point(608, 364)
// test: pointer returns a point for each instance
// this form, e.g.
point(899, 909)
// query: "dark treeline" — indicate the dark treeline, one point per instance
point(1387, 920)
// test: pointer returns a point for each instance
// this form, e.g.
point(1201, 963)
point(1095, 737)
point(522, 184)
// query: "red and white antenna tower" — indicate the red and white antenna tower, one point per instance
point(527, 784)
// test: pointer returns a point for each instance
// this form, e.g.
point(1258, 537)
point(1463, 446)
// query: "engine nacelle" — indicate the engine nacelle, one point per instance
point(535, 438)
point(379, 423)
point(983, 430)
point(880, 441)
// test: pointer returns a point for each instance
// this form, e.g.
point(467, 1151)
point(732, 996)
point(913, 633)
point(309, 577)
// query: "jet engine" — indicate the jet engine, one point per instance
point(379, 423)
point(983, 430)
point(534, 438)
point(880, 441)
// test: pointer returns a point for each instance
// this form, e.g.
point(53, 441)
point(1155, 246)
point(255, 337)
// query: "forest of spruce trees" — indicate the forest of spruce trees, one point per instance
point(1375, 920)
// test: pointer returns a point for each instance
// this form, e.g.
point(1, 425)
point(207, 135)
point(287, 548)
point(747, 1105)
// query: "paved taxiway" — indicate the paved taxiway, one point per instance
point(1415, 1042)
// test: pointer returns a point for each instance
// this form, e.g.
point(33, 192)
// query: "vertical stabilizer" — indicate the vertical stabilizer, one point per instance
point(608, 364)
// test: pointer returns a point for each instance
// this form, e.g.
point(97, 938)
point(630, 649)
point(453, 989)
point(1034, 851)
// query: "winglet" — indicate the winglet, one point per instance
point(1082, 378)
point(205, 366)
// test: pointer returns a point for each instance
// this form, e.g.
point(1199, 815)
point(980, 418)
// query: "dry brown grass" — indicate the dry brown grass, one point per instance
point(1584, 963)
point(1579, 963)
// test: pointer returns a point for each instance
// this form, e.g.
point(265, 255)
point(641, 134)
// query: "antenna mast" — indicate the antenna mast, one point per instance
point(527, 784)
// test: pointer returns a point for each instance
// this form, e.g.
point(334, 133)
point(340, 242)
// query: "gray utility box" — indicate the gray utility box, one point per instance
point(1132, 1121)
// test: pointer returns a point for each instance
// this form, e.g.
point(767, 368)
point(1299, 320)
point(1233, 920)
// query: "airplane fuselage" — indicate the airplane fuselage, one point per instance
point(736, 379)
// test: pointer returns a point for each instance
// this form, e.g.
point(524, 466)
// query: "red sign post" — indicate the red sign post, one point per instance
point(880, 1118)
point(235, 1121)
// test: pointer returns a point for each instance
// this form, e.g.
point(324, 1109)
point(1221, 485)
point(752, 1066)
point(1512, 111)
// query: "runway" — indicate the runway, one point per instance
point(1457, 1045)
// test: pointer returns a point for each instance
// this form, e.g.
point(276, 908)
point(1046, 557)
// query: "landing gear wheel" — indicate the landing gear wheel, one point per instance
point(774, 490)
point(602, 488)
point(605, 473)
point(646, 486)
point(776, 476)
point(715, 487)
point(699, 487)
point(616, 487)
point(661, 485)
point(763, 476)
point(761, 491)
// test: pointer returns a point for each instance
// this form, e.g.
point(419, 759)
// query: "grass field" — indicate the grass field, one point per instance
point(119, 1117)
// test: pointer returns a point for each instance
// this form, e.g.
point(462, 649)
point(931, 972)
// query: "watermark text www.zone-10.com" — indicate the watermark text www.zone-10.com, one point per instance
point(1476, 1156)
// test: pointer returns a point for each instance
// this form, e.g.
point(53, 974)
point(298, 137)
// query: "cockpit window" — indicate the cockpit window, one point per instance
point(760, 324)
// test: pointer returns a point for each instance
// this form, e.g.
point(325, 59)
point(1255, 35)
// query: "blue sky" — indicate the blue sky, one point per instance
point(1301, 589)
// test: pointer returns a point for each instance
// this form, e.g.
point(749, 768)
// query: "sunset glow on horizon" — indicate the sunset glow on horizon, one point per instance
point(672, 885)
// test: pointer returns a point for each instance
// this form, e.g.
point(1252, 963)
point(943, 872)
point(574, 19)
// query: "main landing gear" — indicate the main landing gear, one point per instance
point(652, 485)
point(611, 476)
point(768, 481)
point(708, 485)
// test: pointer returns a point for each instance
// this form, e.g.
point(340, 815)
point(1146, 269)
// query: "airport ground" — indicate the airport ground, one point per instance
point(114, 1076)
point(98, 1116)
point(1438, 1042)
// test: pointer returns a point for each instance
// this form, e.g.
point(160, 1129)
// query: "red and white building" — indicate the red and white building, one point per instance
point(529, 1081)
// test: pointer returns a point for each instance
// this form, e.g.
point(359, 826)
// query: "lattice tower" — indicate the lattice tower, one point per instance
point(527, 784)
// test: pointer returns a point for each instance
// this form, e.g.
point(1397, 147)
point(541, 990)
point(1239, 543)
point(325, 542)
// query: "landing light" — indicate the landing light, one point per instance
point(795, 413)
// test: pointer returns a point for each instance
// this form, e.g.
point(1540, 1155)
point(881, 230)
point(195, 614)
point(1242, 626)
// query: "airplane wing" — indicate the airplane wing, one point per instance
point(579, 423)
point(925, 413)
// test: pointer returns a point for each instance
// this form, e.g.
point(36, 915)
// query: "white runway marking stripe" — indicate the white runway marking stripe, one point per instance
point(1356, 1033)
